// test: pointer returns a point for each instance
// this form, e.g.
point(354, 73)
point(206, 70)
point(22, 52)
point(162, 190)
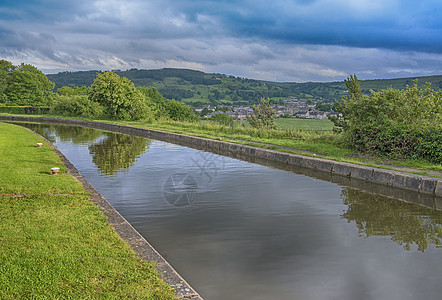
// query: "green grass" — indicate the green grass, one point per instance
point(54, 243)
point(304, 124)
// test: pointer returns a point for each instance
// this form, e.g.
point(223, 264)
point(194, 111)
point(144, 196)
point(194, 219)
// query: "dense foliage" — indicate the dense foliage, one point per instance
point(167, 109)
point(112, 96)
point(263, 115)
point(393, 123)
point(119, 97)
point(24, 85)
point(77, 105)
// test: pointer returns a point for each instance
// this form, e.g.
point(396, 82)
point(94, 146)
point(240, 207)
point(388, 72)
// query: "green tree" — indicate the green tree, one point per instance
point(26, 85)
point(168, 109)
point(120, 97)
point(205, 112)
point(263, 115)
point(70, 91)
point(6, 69)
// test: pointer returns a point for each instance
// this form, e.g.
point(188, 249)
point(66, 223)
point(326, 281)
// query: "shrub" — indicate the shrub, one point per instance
point(178, 111)
point(263, 115)
point(77, 105)
point(393, 123)
point(24, 110)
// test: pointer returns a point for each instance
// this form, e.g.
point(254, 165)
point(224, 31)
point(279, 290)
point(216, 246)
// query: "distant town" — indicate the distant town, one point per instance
point(290, 108)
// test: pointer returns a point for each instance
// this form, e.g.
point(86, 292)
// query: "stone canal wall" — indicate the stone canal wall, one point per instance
point(388, 178)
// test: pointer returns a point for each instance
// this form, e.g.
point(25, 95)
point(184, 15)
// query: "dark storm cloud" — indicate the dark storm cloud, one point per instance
point(274, 40)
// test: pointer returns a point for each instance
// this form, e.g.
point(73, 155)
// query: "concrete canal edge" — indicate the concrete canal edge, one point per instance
point(395, 179)
point(130, 235)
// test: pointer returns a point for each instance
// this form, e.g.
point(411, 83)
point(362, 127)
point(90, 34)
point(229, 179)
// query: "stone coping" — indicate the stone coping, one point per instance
point(421, 185)
point(130, 235)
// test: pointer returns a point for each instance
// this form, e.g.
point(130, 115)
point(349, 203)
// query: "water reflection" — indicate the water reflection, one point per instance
point(76, 135)
point(117, 152)
point(407, 224)
point(111, 152)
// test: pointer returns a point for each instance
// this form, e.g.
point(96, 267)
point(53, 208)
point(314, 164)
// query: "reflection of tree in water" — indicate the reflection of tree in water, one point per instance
point(66, 133)
point(77, 135)
point(406, 223)
point(117, 151)
point(110, 152)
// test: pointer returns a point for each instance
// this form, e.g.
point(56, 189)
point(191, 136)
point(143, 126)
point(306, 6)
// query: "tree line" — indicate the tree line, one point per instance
point(110, 96)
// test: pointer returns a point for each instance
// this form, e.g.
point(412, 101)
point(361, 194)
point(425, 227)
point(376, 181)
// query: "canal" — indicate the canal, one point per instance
point(238, 230)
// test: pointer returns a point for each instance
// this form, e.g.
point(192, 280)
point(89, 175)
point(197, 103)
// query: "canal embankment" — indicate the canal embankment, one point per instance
point(423, 185)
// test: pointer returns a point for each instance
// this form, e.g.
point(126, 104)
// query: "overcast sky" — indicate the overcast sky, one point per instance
point(278, 40)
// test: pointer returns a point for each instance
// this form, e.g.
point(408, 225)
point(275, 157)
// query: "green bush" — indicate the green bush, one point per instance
point(393, 123)
point(178, 111)
point(77, 105)
point(24, 110)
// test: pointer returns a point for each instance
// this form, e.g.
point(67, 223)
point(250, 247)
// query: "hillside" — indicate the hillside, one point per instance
point(192, 86)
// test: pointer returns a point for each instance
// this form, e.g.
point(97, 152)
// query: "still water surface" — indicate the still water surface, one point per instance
point(236, 230)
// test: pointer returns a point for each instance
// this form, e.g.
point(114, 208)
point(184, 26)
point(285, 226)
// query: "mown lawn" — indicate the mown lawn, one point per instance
point(54, 243)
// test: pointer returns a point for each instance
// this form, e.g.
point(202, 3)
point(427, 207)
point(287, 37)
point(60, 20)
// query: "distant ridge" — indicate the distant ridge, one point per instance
point(193, 86)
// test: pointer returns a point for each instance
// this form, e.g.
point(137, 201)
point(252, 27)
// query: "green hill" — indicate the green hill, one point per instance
point(192, 86)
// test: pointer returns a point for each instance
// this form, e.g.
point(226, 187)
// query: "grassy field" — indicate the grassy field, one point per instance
point(304, 124)
point(54, 243)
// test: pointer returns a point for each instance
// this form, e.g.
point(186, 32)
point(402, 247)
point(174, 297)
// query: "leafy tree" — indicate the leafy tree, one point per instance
point(168, 109)
point(120, 97)
point(205, 111)
point(6, 69)
point(323, 106)
point(69, 91)
point(263, 115)
point(26, 85)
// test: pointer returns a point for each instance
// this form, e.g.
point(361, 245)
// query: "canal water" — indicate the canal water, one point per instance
point(237, 230)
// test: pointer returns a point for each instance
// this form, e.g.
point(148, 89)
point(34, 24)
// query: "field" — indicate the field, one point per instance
point(304, 124)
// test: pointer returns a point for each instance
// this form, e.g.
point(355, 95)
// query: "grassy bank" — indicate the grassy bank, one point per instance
point(300, 137)
point(54, 243)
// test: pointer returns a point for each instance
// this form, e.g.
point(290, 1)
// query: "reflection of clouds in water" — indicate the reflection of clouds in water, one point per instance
point(160, 144)
point(276, 234)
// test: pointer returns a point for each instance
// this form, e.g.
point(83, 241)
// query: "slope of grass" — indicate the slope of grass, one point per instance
point(54, 243)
